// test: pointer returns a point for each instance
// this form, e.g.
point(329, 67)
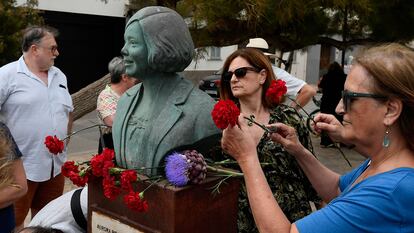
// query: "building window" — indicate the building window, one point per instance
point(215, 53)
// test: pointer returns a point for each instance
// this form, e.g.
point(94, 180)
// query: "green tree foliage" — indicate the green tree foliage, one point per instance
point(221, 22)
point(294, 24)
point(13, 20)
point(392, 20)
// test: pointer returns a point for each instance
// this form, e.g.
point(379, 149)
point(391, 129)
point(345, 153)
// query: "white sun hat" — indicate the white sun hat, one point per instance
point(260, 43)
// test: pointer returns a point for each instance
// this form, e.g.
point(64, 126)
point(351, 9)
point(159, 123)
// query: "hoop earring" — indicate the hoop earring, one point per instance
point(386, 140)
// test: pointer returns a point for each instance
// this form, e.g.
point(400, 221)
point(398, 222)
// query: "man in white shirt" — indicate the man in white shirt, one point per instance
point(296, 88)
point(35, 103)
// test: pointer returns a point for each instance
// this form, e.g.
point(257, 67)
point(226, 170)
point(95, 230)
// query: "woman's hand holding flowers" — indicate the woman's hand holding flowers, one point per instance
point(329, 124)
point(238, 141)
point(287, 137)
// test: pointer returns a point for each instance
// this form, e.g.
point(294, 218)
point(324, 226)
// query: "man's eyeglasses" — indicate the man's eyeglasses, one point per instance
point(52, 49)
point(239, 73)
point(347, 96)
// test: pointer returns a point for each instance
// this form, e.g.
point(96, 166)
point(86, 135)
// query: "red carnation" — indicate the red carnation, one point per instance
point(111, 191)
point(217, 82)
point(69, 166)
point(134, 201)
point(127, 177)
point(106, 169)
point(275, 92)
point(108, 154)
point(77, 179)
point(96, 164)
point(225, 113)
point(54, 145)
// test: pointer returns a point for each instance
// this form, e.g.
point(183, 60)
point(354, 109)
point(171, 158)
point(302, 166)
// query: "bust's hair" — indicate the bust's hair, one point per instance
point(5, 163)
point(169, 44)
point(34, 34)
point(391, 66)
point(116, 68)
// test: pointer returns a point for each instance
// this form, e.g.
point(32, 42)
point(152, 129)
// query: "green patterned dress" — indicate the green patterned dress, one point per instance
point(288, 182)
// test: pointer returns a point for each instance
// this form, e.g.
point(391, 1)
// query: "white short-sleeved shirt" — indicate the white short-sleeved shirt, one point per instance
point(293, 84)
point(33, 111)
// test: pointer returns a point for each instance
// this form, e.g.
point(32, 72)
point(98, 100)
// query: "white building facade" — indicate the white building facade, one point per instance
point(114, 8)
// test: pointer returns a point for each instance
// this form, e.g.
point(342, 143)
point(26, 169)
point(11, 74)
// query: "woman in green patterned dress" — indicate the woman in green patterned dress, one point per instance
point(247, 75)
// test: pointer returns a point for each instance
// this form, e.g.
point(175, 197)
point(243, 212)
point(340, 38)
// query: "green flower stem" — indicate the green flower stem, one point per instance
point(152, 183)
point(224, 171)
point(159, 177)
point(89, 127)
point(252, 121)
point(118, 170)
point(337, 147)
point(216, 187)
point(147, 168)
point(224, 162)
point(82, 163)
point(83, 171)
point(227, 161)
point(343, 155)
point(301, 108)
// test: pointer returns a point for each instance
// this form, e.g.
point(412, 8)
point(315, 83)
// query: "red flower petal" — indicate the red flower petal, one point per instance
point(276, 91)
point(225, 113)
point(134, 202)
point(127, 177)
point(54, 145)
point(69, 166)
point(111, 191)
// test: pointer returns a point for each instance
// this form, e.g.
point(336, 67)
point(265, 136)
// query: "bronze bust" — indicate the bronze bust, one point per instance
point(165, 111)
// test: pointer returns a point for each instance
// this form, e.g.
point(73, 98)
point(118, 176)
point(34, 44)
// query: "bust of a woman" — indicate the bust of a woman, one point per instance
point(164, 111)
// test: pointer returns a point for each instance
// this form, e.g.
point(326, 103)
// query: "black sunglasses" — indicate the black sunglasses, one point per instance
point(347, 96)
point(239, 73)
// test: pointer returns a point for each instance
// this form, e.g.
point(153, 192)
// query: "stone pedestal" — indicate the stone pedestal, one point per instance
point(189, 209)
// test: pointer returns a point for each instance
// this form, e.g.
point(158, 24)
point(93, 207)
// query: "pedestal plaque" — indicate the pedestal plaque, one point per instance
point(189, 209)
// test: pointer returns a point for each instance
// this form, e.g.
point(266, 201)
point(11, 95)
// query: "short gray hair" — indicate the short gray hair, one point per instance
point(34, 34)
point(169, 42)
point(116, 68)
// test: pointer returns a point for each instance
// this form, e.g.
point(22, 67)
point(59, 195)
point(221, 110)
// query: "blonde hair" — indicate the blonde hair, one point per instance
point(6, 177)
point(392, 68)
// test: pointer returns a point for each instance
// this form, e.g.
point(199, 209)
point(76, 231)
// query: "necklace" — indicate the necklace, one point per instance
point(366, 172)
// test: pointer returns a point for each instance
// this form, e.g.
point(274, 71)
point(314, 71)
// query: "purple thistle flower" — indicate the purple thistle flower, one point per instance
point(176, 169)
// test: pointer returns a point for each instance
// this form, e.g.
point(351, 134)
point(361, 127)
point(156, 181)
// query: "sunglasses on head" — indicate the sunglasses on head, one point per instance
point(239, 73)
point(347, 96)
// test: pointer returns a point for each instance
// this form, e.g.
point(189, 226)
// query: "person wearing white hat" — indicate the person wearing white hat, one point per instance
point(295, 87)
point(67, 213)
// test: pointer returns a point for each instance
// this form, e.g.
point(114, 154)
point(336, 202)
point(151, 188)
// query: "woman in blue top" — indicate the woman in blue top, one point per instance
point(377, 106)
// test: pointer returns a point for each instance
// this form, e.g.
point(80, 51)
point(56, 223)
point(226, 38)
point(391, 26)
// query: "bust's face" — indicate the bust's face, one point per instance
point(135, 51)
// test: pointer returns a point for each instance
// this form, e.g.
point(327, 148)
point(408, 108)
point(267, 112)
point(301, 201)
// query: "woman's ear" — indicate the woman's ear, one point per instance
point(394, 109)
point(263, 76)
point(124, 77)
